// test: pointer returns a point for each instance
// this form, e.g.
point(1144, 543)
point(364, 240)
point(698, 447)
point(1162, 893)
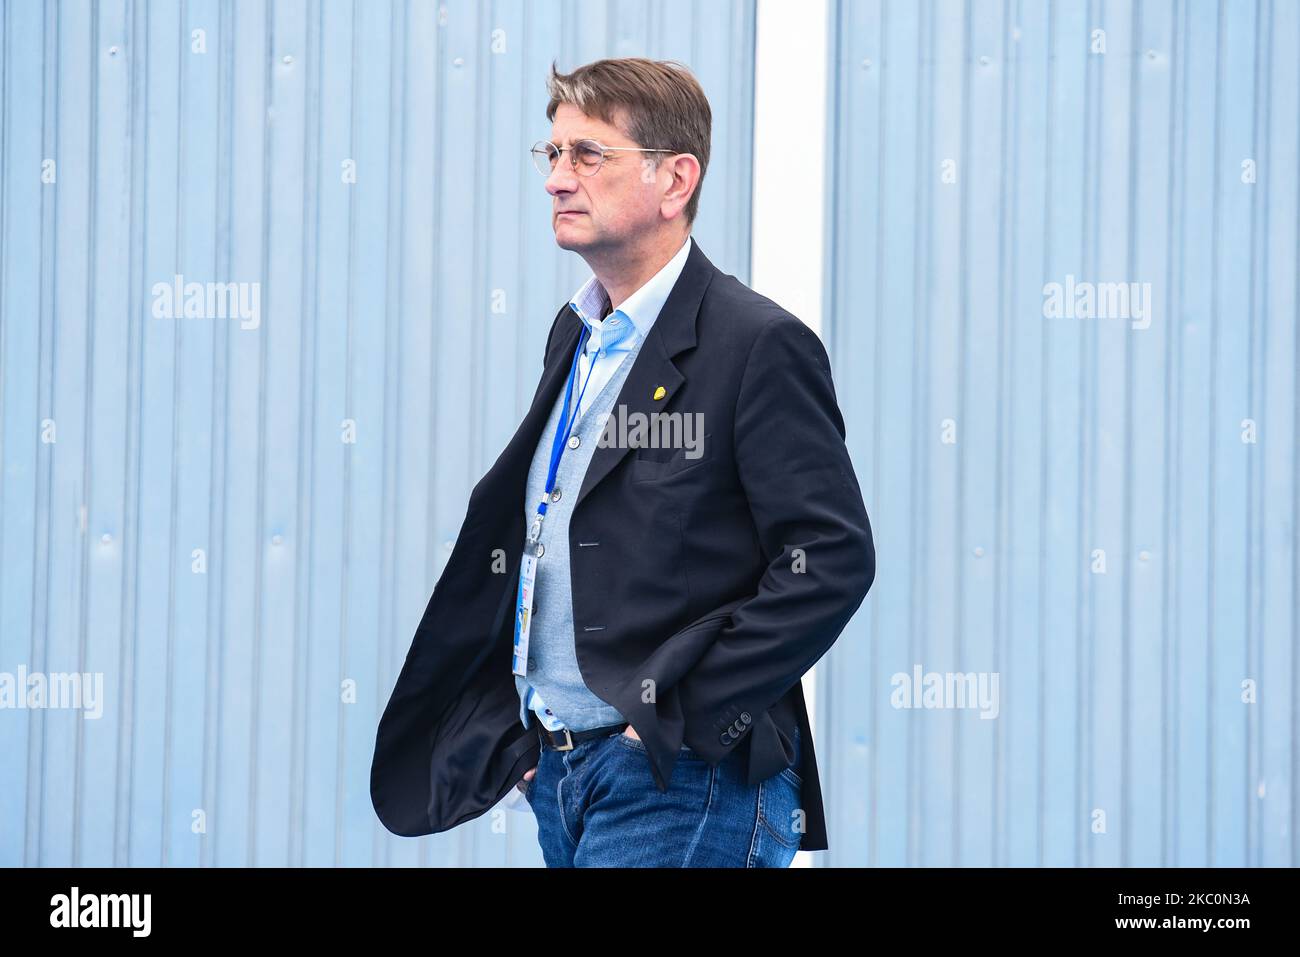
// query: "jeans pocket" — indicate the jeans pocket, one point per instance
point(636, 744)
point(780, 808)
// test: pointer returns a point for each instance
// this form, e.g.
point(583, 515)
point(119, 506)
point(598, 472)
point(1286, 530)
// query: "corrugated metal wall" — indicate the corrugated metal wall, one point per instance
point(982, 150)
point(240, 524)
point(240, 527)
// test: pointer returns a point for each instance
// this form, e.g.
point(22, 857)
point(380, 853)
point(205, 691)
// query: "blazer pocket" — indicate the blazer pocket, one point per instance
point(651, 465)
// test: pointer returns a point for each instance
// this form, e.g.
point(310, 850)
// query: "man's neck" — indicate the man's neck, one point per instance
point(623, 271)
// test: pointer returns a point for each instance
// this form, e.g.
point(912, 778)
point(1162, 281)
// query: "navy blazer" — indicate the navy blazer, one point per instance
point(715, 582)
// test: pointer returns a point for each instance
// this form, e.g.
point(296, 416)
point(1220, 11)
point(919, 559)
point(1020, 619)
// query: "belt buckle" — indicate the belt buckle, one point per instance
point(568, 738)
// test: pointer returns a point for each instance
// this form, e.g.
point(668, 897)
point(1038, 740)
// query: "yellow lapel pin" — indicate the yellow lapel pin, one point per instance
point(660, 392)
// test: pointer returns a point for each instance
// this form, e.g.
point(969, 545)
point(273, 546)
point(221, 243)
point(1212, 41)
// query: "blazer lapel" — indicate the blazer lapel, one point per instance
point(673, 332)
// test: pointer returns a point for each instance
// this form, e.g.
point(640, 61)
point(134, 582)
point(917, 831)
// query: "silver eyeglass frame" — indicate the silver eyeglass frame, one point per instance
point(540, 148)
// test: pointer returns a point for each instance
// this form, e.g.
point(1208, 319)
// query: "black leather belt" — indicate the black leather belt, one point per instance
point(564, 739)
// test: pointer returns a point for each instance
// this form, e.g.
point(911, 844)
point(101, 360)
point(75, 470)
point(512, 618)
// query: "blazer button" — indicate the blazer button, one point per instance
point(724, 739)
point(541, 550)
point(574, 441)
point(555, 496)
point(744, 716)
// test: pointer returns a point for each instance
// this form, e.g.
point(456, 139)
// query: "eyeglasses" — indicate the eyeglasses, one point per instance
point(585, 156)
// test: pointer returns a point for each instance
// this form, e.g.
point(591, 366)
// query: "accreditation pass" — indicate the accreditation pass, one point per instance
point(524, 608)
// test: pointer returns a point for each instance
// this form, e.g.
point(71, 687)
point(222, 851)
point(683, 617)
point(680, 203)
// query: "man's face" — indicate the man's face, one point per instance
point(611, 208)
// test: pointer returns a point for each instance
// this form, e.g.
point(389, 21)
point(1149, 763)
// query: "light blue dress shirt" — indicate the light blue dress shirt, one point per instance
point(615, 335)
point(609, 341)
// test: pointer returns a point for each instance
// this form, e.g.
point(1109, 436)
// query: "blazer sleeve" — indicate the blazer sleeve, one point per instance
point(813, 529)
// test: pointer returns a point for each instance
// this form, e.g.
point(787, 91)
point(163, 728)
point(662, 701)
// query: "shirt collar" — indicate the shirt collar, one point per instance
point(642, 308)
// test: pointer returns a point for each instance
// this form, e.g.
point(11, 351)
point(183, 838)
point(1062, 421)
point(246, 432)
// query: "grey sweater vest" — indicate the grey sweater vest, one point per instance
point(552, 660)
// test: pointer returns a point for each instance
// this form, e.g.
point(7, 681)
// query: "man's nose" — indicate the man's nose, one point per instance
point(562, 179)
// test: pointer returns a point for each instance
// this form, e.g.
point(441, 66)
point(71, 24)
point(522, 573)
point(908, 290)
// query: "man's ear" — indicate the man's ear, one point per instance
point(685, 169)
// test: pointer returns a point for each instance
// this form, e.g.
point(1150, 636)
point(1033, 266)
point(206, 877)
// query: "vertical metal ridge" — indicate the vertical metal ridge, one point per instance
point(1211, 563)
point(919, 640)
point(308, 362)
point(137, 210)
point(88, 417)
point(1263, 102)
point(349, 404)
point(1083, 686)
point(1126, 521)
point(963, 382)
point(393, 348)
point(174, 482)
point(1009, 128)
point(873, 628)
point(44, 484)
point(214, 630)
point(1043, 465)
point(271, 97)
point(1295, 563)
point(1176, 441)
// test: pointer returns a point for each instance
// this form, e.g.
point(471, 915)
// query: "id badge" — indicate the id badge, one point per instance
point(524, 608)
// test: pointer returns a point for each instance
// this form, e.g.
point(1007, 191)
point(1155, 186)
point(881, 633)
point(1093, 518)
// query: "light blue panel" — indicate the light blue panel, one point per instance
point(1020, 735)
point(168, 777)
point(1229, 785)
point(24, 207)
point(109, 377)
point(1106, 256)
point(1273, 820)
point(1065, 43)
point(70, 537)
point(1150, 254)
point(1112, 531)
point(936, 831)
point(238, 522)
point(981, 380)
point(844, 733)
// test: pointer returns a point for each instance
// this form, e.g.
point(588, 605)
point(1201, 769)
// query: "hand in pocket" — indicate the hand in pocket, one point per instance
point(523, 784)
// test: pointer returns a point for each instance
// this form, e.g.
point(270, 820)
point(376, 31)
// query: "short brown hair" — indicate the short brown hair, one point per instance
point(663, 105)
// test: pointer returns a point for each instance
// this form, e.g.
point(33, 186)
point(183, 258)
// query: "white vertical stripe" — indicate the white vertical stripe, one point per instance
point(789, 155)
point(790, 95)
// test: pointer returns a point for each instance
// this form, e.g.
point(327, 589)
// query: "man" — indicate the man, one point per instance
point(623, 623)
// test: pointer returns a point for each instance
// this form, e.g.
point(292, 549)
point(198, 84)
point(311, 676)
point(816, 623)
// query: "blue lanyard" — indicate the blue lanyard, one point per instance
point(564, 428)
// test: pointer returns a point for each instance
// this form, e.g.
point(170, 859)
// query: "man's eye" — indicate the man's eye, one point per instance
point(590, 155)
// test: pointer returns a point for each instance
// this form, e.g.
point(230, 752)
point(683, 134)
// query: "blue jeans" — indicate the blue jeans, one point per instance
point(598, 806)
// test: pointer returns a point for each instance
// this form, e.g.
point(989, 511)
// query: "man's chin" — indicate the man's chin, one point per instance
point(566, 239)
